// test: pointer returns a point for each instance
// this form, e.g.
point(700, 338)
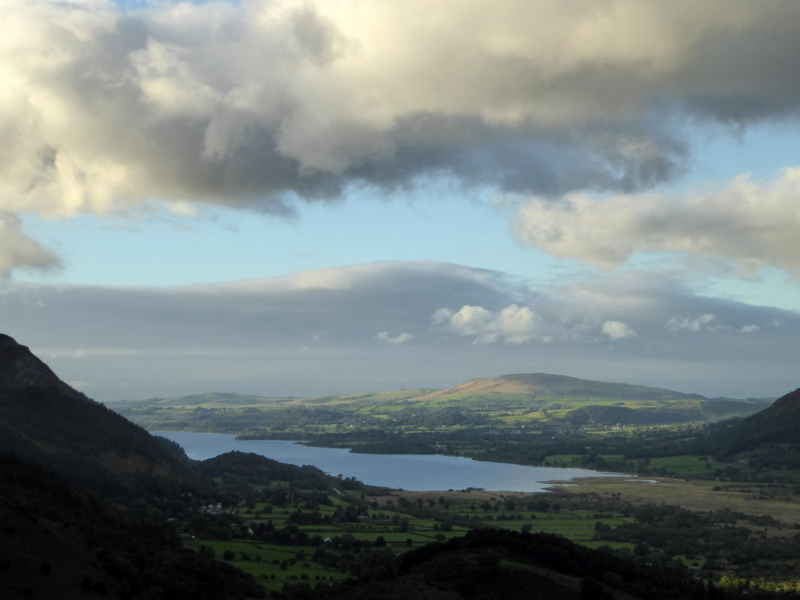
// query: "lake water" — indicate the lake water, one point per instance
point(411, 472)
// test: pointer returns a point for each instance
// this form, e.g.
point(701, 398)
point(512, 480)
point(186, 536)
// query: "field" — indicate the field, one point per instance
point(778, 501)
point(536, 420)
point(691, 505)
point(770, 513)
point(274, 565)
point(510, 402)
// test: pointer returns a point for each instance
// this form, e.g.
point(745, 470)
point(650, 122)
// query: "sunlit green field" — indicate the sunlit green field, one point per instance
point(274, 565)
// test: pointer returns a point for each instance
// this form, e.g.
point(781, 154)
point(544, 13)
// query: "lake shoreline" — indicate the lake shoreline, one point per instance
point(406, 472)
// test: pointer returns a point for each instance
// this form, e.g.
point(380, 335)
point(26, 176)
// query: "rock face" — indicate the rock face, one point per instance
point(18, 366)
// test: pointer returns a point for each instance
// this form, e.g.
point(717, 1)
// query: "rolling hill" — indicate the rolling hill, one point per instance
point(535, 384)
point(506, 401)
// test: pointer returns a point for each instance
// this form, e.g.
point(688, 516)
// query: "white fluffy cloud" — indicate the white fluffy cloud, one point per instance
point(520, 325)
point(617, 330)
point(513, 324)
point(756, 224)
point(103, 109)
point(401, 338)
point(259, 102)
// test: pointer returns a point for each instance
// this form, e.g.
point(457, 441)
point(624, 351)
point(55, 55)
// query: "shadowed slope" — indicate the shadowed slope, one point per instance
point(46, 421)
point(778, 424)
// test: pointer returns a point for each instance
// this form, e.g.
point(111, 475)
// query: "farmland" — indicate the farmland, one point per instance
point(524, 419)
point(385, 528)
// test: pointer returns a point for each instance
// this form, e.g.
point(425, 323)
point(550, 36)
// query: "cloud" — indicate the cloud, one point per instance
point(242, 103)
point(513, 324)
point(521, 325)
point(396, 340)
point(617, 330)
point(18, 251)
point(755, 224)
point(707, 322)
point(255, 336)
point(262, 104)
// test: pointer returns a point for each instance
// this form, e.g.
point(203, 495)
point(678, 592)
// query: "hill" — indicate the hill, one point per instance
point(59, 541)
point(776, 426)
point(493, 564)
point(507, 401)
point(45, 421)
point(536, 384)
point(785, 407)
point(88, 500)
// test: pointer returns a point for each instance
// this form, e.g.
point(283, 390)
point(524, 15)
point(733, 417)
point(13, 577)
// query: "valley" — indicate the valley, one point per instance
point(534, 419)
point(93, 505)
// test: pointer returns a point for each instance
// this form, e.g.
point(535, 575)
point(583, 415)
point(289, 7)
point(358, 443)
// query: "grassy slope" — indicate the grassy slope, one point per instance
point(510, 400)
point(558, 385)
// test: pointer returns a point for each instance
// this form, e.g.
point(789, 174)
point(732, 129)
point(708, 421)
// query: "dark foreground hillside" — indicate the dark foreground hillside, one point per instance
point(86, 499)
point(47, 422)
point(496, 564)
point(58, 541)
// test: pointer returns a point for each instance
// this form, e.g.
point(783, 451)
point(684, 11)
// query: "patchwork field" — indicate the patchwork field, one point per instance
point(395, 531)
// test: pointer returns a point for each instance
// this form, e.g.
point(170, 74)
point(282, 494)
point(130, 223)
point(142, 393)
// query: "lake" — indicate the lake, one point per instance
point(411, 472)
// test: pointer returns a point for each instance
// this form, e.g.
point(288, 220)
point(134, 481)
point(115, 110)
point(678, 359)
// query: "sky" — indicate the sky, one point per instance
point(297, 198)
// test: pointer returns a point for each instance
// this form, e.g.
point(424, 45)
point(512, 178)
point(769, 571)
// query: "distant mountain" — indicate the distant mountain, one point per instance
point(44, 420)
point(509, 400)
point(534, 384)
point(229, 399)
